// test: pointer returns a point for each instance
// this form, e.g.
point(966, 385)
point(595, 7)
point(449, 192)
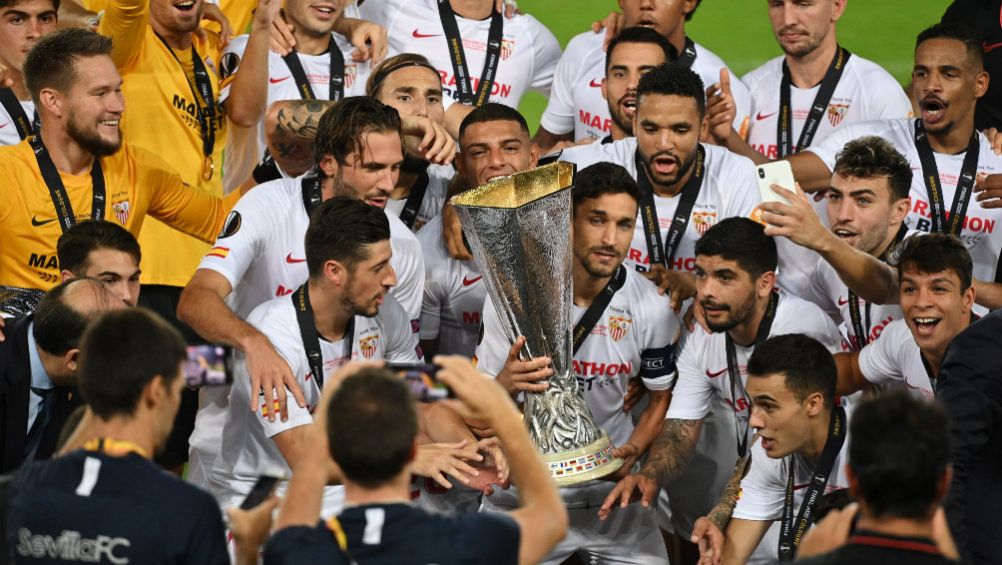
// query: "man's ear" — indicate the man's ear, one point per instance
point(65, 275)
point(52, 100)
point(336, 272)
point(533, 154)
point(70, 362)
point(328, 165)
point(155, 392)
point(815, 403)
point(765, 284)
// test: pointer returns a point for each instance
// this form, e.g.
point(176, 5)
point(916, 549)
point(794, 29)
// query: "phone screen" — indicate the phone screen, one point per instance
point(207, 365)
point(422, 381)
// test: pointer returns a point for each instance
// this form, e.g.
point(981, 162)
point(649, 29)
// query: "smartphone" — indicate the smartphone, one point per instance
point(421, 379)
point(207, 365)
point(262, 489)
point(779, 173)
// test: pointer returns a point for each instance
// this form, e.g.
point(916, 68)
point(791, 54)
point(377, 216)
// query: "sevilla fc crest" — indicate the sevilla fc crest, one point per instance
point(368, 346)
point(836, 112)
point(618, 326)
point(350, 74)
point(121, 210)
point(507, 46)
point(702, 221)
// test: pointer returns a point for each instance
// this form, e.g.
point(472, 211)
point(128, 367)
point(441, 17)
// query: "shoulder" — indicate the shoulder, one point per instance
point(11, 155)
point(430, 238)
point(706, 59)
point(273, 315)
point(725, 161)
point(769, 71)
point(618, 152)
point(584, 44)
point(649, 302)
point(392, 315)
point(796, 315)
point(870, 74)
point(303, 544)
point(399, 232)
point(237, 45)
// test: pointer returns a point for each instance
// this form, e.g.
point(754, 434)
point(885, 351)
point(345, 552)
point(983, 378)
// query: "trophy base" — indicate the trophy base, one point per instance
point(583, 464)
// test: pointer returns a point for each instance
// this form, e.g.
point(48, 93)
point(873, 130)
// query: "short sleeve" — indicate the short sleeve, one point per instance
point(691, 396)
point(302, 544)
point(242, 238)
point(546, 55)
point(431, 305)
point(408, 262)
point(817, 293)
point(762, 489)
point(558, 118)
point(833, 143)
point(657, 359)
point(265, 319)
point(744, 192)
point(493, 346)
point(229, 63)
point(879, 361)
point(401, 341)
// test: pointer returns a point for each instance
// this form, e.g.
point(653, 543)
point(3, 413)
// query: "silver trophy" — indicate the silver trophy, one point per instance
point(519, 230)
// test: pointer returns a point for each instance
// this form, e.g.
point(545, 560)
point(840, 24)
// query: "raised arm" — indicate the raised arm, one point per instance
point(248, 86)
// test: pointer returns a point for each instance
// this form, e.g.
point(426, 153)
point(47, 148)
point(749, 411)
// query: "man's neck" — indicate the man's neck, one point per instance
point(586, 286)
point(894, 526)
point(329, 314)
point(472, 9)
point(818, 437)
point(888, 240)
point(809, 69)
point(618, 133)
point(176, 41)
point(744, 334)
point(955, 139)
point(67, 155)
point(135, 430)
point(396, 491)
point(311, 44)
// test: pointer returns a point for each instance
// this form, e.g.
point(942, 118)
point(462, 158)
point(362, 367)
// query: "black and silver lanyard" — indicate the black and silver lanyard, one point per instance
point(57, 191)
point(965, 183)
point(688, 55)
point(414, 200)
point(336, 91)
point(309, 335)
point(594, 312)
point(201, 89)
point(460, 68)
point(12, 105)
point(863, 332)
point(790, 535)
point(734, 370)
point(784, 125)
point(312, 196)
point(663, 253)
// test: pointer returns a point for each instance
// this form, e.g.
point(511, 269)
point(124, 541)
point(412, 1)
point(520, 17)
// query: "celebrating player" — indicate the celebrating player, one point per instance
point(22, 23)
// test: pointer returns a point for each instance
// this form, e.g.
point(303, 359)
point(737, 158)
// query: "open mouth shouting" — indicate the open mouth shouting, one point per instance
point(933, 110)
point(186, 6)
point(664, 164)
point(925, 326)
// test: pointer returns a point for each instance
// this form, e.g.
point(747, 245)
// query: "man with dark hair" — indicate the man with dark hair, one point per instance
point(633, 335)
point(409, 84)
point(343, 311)
point(937, 300)
point(801, 441)
point(108, 501)
point(378, 526)
point(959, 186)
point(77, 167)
point(678, 176)
point(493, 143)
point(865, 207)
point(105, 251)
point(259, 254)
point(38, 368)
point(899, 472)
point(576, 108)
point(22, 23)
point(736, 275)
point(985, 19)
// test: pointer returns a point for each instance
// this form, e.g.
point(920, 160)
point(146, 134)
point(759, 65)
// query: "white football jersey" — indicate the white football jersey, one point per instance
point(246, 146)
point(864, 92)
point(248, 449)
point(263, 254)
point(8, 129)
point(729, 189)
point(764, 487)
point(576, 103)
point(636, 335)
point(434, 196)
point(454, 294)
point(981, 233)
point(702, 365)
point(529, 51)
point(895, 358)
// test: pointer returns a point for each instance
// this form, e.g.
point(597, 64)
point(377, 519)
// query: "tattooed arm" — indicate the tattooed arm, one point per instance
point(708, 531)
point(290, 127)
point(668, 457)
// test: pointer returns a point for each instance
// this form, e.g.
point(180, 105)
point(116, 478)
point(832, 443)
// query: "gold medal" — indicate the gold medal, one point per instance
point(208, 168)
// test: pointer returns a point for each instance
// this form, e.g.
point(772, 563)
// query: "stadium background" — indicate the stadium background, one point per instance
point(739, 32)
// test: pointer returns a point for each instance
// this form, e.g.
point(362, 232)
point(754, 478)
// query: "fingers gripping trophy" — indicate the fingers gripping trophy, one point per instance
point(519, 231)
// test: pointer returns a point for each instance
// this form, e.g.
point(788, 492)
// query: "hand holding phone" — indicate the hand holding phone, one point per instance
point(779, 173)
point(262, 489)
point(422, 381)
